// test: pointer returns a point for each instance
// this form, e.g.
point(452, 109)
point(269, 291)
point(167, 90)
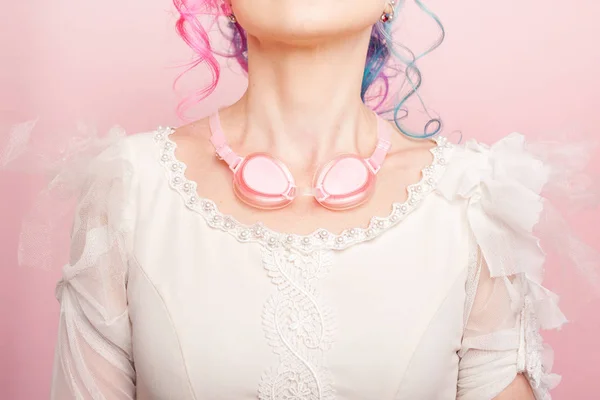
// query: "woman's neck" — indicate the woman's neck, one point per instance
point(303, 104)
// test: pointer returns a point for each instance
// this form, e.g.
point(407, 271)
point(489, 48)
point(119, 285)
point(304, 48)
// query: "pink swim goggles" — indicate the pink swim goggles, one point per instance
point(262, 181)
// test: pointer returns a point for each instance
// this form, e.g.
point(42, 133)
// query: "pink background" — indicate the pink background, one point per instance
point(513, 65)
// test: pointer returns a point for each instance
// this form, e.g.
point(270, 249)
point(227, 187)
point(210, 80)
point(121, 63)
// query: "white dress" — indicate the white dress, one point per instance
point(167, 298)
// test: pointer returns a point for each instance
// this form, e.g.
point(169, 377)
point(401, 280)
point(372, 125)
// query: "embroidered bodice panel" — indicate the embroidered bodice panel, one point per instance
point(276, 323)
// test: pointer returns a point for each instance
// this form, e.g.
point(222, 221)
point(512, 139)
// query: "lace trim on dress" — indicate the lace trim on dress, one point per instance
point(298, 326)
point(531, 345)
point(533, 357)
point(319, 239)
point(473, 274)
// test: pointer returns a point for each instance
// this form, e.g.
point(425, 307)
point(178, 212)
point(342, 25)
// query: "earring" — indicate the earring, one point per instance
point(389, 12)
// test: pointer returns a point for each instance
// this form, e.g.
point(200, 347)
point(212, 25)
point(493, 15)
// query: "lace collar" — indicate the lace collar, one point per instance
point(320, 238)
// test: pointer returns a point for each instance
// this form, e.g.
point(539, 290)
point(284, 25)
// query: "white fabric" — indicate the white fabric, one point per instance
point(165, 298)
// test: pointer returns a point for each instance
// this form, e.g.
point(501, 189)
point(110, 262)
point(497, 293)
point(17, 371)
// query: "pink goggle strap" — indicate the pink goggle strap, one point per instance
point(233, 160)
point(383, 146)
point(219, 141)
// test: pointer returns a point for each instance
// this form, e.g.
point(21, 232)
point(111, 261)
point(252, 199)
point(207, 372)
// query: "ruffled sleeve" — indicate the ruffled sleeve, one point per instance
point(93, 357)
point(506, 302)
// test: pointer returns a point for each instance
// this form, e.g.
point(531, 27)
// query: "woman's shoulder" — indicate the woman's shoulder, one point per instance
point(139, 154)
point(134, 148)
point(502, 185)
point(518, 171)
point(516, 192)
point(510, 165)
point(160, 144)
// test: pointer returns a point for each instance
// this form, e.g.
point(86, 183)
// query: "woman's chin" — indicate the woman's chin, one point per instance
point(304, 22)
point(307, 34)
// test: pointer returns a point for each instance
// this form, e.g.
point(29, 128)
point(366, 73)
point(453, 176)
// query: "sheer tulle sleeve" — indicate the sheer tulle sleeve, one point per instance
point(502, 337)
point(93, 357)
point(506, 303)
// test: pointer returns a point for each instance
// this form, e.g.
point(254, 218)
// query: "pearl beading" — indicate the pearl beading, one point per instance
point(319, 239)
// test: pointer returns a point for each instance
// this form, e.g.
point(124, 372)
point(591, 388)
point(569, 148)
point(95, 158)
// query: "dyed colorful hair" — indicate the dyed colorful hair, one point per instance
point(387, 60)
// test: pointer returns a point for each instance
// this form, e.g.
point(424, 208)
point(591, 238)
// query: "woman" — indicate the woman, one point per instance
point(422, 285)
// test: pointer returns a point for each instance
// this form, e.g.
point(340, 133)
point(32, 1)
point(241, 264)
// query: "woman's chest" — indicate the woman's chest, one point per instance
point(216, 318)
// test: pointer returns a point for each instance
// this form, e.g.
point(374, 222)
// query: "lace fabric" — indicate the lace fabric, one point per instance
point(298, 326)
